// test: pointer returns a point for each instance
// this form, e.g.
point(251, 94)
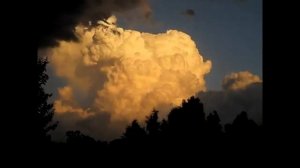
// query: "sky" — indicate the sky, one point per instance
point(227, 32)
point(151, 56)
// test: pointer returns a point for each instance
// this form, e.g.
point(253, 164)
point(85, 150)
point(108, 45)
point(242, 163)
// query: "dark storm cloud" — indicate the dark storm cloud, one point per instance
point(189, 12)
point(57, 18)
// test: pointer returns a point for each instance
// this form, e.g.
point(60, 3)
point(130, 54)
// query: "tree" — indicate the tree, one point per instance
point(44, 110)
point(164, 126)
point(214, 128)
point(152, 124)
point(76, 137)
point(242, 126)
point(188, 119)
point(134, 132)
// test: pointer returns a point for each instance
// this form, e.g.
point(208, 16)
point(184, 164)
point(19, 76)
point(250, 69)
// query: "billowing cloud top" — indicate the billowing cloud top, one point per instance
point(126, 73)
point(239, 80)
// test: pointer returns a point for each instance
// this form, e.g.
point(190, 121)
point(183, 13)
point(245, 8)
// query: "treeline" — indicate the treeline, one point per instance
point(186, 128)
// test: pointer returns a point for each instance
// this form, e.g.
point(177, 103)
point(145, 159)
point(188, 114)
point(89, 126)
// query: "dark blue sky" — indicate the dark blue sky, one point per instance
point(228, 32)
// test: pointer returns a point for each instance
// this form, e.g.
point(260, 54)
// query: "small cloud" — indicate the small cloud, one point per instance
point(242, 91)
point(239, 80)
point(189, 12)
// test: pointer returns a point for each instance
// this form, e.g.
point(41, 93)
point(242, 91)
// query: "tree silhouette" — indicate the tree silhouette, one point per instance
point(76, 137)
point(152, 124)
point(188, 120)
point(241, 125)
point(186, 128)
point(44, 110)
point(133, 139)
point(213, 126)
point(164, 126)
point(134, 132)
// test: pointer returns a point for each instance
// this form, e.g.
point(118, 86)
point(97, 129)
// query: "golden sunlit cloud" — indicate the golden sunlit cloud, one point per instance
point(66, 103)
point(126, 73)
point(239, 80)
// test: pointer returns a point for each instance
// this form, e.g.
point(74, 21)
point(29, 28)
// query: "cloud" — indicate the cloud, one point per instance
point(240, 80)
point(189, 12)
point(125, 74)
point(66, 103)
point(97, 126)
point(60, 17)
point(242, 91)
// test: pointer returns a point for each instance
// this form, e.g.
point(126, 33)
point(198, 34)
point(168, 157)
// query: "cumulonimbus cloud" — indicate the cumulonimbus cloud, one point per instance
point(125, 73)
